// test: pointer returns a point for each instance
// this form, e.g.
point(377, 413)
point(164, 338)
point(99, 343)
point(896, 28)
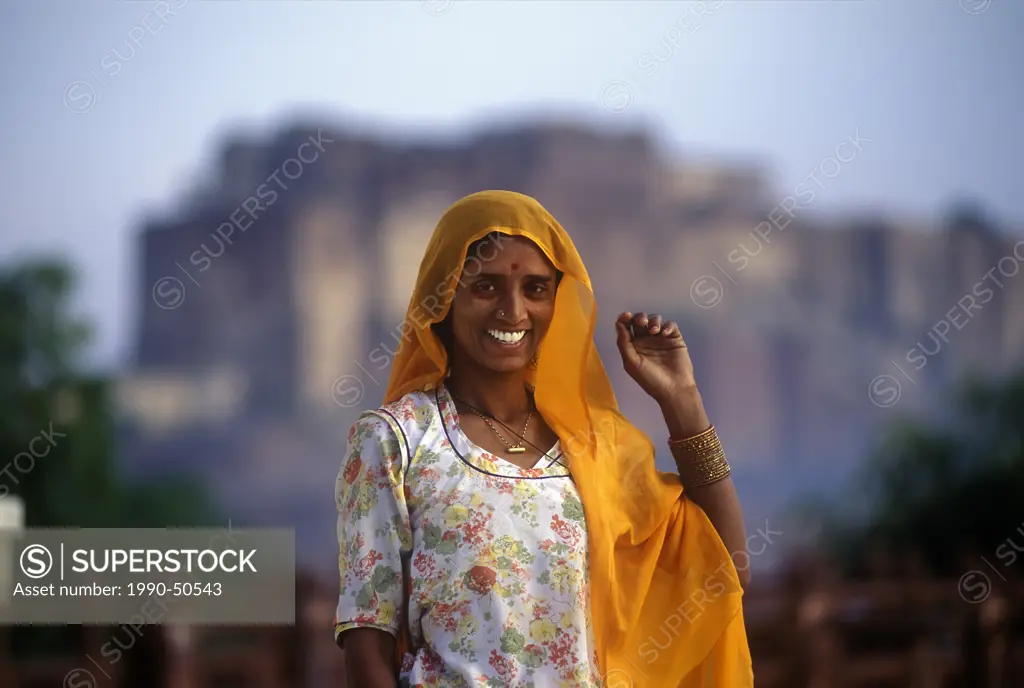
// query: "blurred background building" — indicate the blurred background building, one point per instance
point(242, 339)
point(825, 195)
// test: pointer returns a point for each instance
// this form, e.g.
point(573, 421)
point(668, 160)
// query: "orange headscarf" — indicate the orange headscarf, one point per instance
point(665, 596)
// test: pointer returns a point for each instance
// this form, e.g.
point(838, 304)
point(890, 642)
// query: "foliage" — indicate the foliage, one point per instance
point(946, 489)
point(57, 421)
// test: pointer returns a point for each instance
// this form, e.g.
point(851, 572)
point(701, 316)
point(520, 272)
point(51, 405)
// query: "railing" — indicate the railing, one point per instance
point(918, 633)
point(910, 633)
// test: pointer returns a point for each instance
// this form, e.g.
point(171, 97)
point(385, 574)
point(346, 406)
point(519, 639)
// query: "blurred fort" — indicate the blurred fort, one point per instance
point(268, 309)
point(291, 266)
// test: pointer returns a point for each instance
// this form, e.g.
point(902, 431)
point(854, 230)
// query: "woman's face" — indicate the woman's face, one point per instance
point(504, 304)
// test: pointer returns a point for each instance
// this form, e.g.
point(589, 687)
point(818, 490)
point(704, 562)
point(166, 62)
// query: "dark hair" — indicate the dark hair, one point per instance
point(443, 330)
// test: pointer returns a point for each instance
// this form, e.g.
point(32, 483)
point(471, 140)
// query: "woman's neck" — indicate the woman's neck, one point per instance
point(500, 395)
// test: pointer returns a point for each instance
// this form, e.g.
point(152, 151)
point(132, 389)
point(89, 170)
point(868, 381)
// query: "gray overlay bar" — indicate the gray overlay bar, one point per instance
point(64, 576)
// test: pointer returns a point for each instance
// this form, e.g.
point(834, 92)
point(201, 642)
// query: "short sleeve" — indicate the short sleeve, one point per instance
point(374, 533)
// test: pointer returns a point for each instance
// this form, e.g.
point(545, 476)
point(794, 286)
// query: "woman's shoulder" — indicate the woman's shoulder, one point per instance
point(407, 421)
point(413, 405)
point(411, 402)
point(404, 415)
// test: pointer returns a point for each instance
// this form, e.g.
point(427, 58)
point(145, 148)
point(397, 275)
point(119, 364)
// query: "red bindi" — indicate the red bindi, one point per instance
point(515, 266)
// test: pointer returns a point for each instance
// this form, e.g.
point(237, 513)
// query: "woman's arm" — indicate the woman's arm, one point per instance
point(369, 658)
point(655, 355)
point(686, 417)
point(374, 534)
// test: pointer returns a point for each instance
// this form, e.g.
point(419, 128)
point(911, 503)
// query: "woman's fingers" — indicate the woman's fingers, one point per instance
point(641, 324)
point(624, 340)
point(644, 324)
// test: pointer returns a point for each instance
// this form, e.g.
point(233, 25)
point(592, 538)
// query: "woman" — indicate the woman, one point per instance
point(500, 522)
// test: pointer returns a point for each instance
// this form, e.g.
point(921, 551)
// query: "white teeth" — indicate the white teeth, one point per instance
point(507, 337)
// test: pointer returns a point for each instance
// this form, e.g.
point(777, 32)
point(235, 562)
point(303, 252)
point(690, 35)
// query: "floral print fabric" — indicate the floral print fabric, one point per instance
point(489, 558)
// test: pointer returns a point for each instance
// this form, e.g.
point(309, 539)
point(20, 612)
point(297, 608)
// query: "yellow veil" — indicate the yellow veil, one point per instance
point(665, 596)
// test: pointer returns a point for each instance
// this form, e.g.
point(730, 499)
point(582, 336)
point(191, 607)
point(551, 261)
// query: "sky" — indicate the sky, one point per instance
point(113, 108)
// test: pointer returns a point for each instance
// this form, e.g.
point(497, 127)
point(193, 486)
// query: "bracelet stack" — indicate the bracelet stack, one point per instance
point(700, 459)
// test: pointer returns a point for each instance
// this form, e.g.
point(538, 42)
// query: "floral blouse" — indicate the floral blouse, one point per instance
point(483, 563)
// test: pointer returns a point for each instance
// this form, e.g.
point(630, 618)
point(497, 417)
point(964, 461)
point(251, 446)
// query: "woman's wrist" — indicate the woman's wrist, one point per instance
point(700, 459)
point(684, 414)
point(693, 441)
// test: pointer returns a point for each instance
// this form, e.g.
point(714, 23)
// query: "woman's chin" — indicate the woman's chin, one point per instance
point(506, 363)
point(507, 366)
point(505, 358)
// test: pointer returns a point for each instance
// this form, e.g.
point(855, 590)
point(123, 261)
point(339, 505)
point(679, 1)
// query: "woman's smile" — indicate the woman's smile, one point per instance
point(510, 337)
point(506, 340)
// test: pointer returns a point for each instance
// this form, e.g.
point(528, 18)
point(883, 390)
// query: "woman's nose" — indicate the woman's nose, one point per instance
point(512, 309)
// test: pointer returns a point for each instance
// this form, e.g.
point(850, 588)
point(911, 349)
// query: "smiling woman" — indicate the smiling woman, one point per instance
point(504, 310)
point(497, 320)
point(493, 512)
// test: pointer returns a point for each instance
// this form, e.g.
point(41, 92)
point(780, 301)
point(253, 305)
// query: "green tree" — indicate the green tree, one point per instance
point(58, 445)
point(57, 421)
point(946, 488)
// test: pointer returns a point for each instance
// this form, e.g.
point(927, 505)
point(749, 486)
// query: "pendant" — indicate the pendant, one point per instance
point(517, 450)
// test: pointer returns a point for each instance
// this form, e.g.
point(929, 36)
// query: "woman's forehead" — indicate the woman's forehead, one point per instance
point(510, 254)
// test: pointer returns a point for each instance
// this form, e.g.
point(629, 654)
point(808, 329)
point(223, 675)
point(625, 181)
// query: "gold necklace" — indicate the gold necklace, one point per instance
point(518, 448)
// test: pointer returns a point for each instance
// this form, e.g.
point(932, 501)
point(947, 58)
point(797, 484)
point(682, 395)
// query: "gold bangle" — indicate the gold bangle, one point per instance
point(706, 436)
point(700, 459)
